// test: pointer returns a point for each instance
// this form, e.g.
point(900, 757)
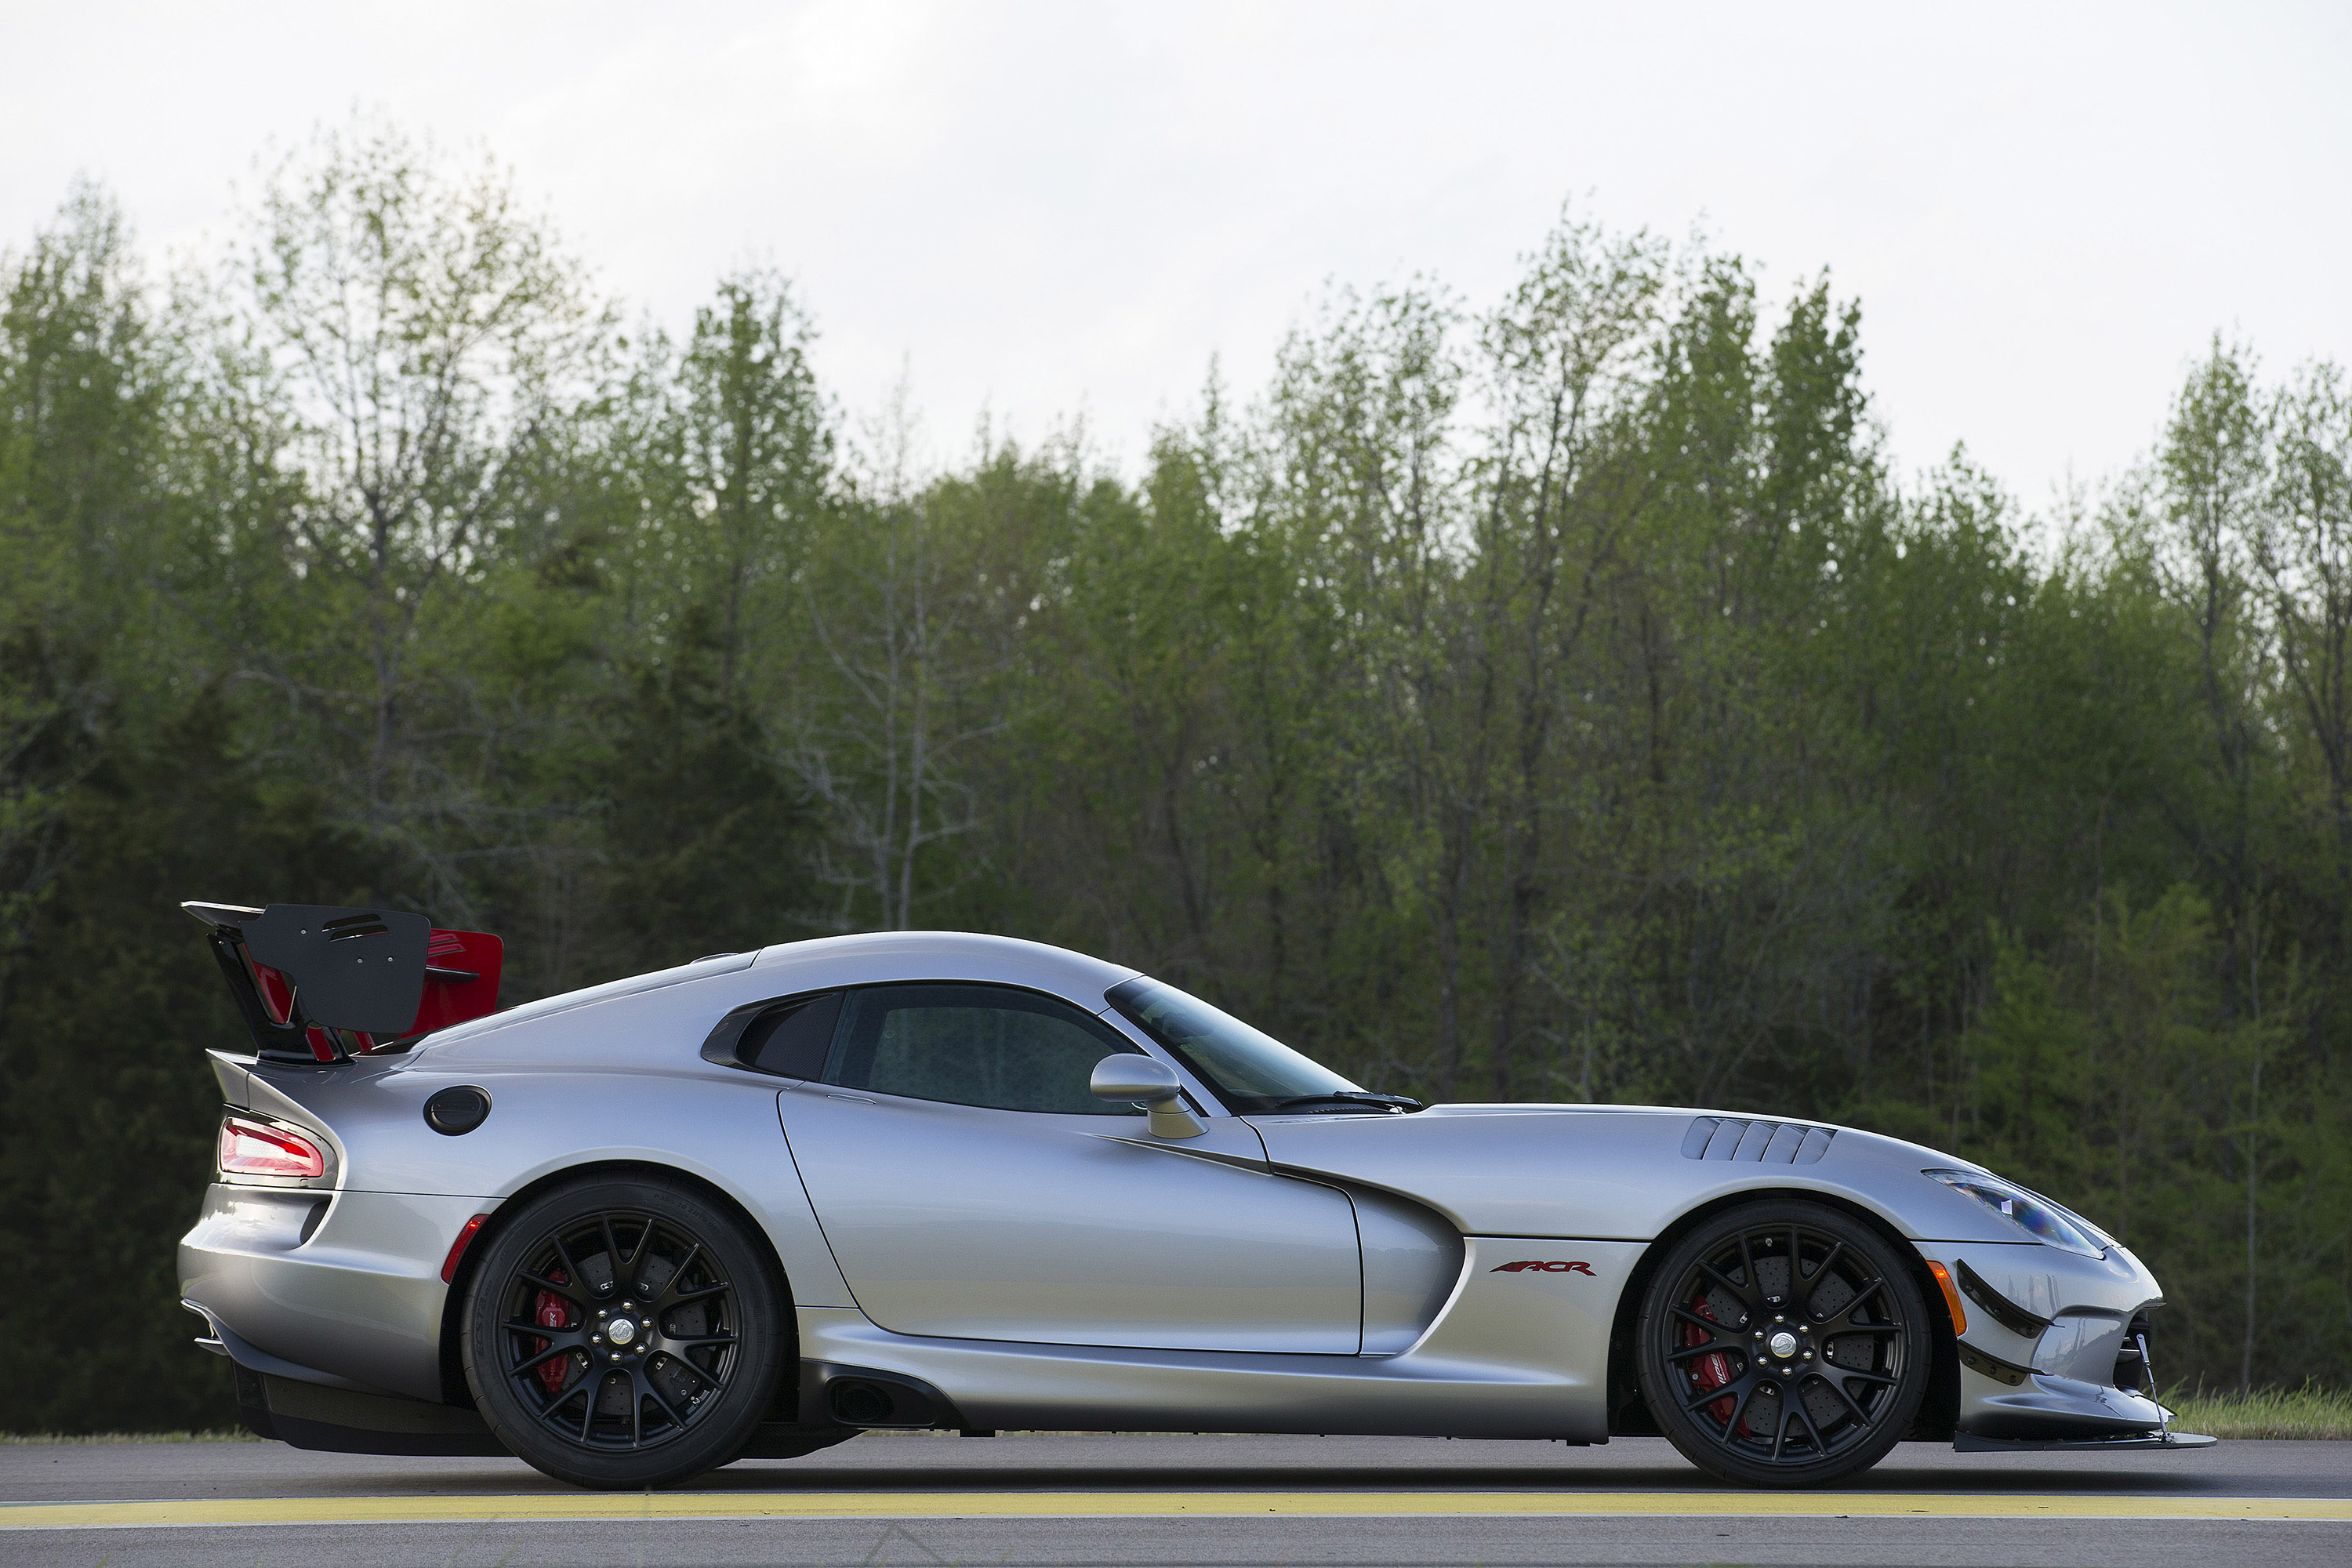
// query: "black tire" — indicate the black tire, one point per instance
point(624, 1333)
point(1729, 1330)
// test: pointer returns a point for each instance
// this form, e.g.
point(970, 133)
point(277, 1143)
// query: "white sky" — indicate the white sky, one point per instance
point(1041, 209)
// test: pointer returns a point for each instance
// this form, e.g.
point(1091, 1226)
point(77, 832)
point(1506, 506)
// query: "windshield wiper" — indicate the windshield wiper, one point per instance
point(1345, 1099)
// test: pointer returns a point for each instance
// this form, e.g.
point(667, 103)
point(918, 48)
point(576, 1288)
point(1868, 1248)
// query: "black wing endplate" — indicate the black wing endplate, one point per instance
point(319, 982)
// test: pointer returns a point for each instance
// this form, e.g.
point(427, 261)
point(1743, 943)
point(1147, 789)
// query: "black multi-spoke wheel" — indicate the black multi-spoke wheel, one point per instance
point(1783, 1343)
point(623, 1334)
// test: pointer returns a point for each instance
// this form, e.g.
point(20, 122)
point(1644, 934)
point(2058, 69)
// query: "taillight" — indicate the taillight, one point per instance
point(255, 1149)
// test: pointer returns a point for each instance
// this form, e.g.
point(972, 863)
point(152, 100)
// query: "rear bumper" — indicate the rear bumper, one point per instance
point(348, 1298)
point(336, 1421)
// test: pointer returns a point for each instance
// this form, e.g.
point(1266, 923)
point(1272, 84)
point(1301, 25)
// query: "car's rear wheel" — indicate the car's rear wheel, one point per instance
point(1783, 1344)
point(624, 1333)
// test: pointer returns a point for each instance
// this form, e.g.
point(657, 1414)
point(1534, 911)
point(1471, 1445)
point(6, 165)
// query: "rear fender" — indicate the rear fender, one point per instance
point(453, 1371)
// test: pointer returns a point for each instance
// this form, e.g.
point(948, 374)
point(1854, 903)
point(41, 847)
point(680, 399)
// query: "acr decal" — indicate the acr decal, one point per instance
point(1583, 1269)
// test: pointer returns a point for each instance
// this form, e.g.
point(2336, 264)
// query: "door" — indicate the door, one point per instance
point(972, 1187)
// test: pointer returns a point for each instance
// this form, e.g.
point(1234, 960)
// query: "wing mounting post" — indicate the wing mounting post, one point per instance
point(225, 934)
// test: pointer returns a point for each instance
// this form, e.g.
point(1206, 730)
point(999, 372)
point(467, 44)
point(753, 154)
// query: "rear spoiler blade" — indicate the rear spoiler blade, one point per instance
point(323, 982)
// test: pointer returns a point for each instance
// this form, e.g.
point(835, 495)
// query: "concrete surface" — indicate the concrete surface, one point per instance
point(1157, 1499)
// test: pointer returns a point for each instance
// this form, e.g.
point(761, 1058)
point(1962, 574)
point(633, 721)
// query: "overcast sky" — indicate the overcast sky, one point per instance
point(1043, 209)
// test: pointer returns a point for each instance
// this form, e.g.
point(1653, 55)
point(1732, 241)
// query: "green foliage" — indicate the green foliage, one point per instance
point(2117, 1075)
point(1559, 700)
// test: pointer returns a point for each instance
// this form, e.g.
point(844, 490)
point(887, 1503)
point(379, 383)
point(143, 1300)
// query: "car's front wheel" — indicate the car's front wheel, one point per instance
point(1783, 1343)
point(623, 1332)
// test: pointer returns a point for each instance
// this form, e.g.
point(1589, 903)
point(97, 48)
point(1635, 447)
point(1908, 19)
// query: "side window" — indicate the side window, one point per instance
point(973, 1044)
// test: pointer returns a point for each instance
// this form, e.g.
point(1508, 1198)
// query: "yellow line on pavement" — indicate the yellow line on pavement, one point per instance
point(1052, 1505)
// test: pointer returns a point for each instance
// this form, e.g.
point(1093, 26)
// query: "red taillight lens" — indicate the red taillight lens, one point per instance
point(252, 1149)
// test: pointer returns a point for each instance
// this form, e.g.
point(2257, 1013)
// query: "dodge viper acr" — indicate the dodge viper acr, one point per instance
point(759, 1203)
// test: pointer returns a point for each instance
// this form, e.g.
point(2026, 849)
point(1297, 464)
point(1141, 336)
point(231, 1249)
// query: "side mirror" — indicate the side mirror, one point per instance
point(1131, 1076)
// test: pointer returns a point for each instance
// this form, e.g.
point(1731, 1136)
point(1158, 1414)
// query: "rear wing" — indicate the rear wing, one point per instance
point(319, 983)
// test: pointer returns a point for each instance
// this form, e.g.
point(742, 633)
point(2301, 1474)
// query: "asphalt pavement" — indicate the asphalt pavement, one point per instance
point(1018, 1500)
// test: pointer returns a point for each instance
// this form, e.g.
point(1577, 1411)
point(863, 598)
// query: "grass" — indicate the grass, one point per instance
point(2310, 1411)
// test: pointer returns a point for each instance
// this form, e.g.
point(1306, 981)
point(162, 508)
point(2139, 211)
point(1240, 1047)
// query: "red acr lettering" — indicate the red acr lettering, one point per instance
point(1583, 1269)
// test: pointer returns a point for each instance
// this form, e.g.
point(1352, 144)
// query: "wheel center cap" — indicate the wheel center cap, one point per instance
point(1782, 1344)
point(623, 1332)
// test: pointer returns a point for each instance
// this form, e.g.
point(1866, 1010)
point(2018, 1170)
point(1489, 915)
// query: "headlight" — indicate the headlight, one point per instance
point(2037, 1216)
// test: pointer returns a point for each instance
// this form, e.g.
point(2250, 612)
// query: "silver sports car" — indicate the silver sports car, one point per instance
point(759, 1203)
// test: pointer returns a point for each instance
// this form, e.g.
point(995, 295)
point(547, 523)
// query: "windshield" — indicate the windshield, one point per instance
point(1249, 1070)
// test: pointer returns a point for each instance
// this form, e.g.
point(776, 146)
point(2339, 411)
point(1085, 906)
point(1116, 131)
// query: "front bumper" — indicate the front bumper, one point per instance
point(2047, 1335)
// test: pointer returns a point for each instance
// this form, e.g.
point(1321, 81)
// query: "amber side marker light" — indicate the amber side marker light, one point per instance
point(1951, 1296)
point(466, 1234)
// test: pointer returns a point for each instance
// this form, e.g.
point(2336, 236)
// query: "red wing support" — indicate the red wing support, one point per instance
point(321, 983)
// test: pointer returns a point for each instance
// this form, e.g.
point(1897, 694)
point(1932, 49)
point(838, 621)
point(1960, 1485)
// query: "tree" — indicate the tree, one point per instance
point(2190, 522)
point(1561, 492)
point(401, 337)
point(83, 383)
point(1363, 464)
point(880, 731)
point(755, 453)
point(2302, 549)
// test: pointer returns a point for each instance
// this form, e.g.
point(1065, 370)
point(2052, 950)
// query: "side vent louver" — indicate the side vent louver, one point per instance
point(1771, 1142)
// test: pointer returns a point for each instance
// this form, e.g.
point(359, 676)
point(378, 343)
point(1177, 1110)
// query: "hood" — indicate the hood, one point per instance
point(1616, 1171)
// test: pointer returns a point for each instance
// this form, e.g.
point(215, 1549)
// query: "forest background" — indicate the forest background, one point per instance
point(1555, 697)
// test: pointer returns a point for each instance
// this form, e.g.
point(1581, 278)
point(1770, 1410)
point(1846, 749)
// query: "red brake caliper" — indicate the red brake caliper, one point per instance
point(1712, 1370)
point(550, 1311)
